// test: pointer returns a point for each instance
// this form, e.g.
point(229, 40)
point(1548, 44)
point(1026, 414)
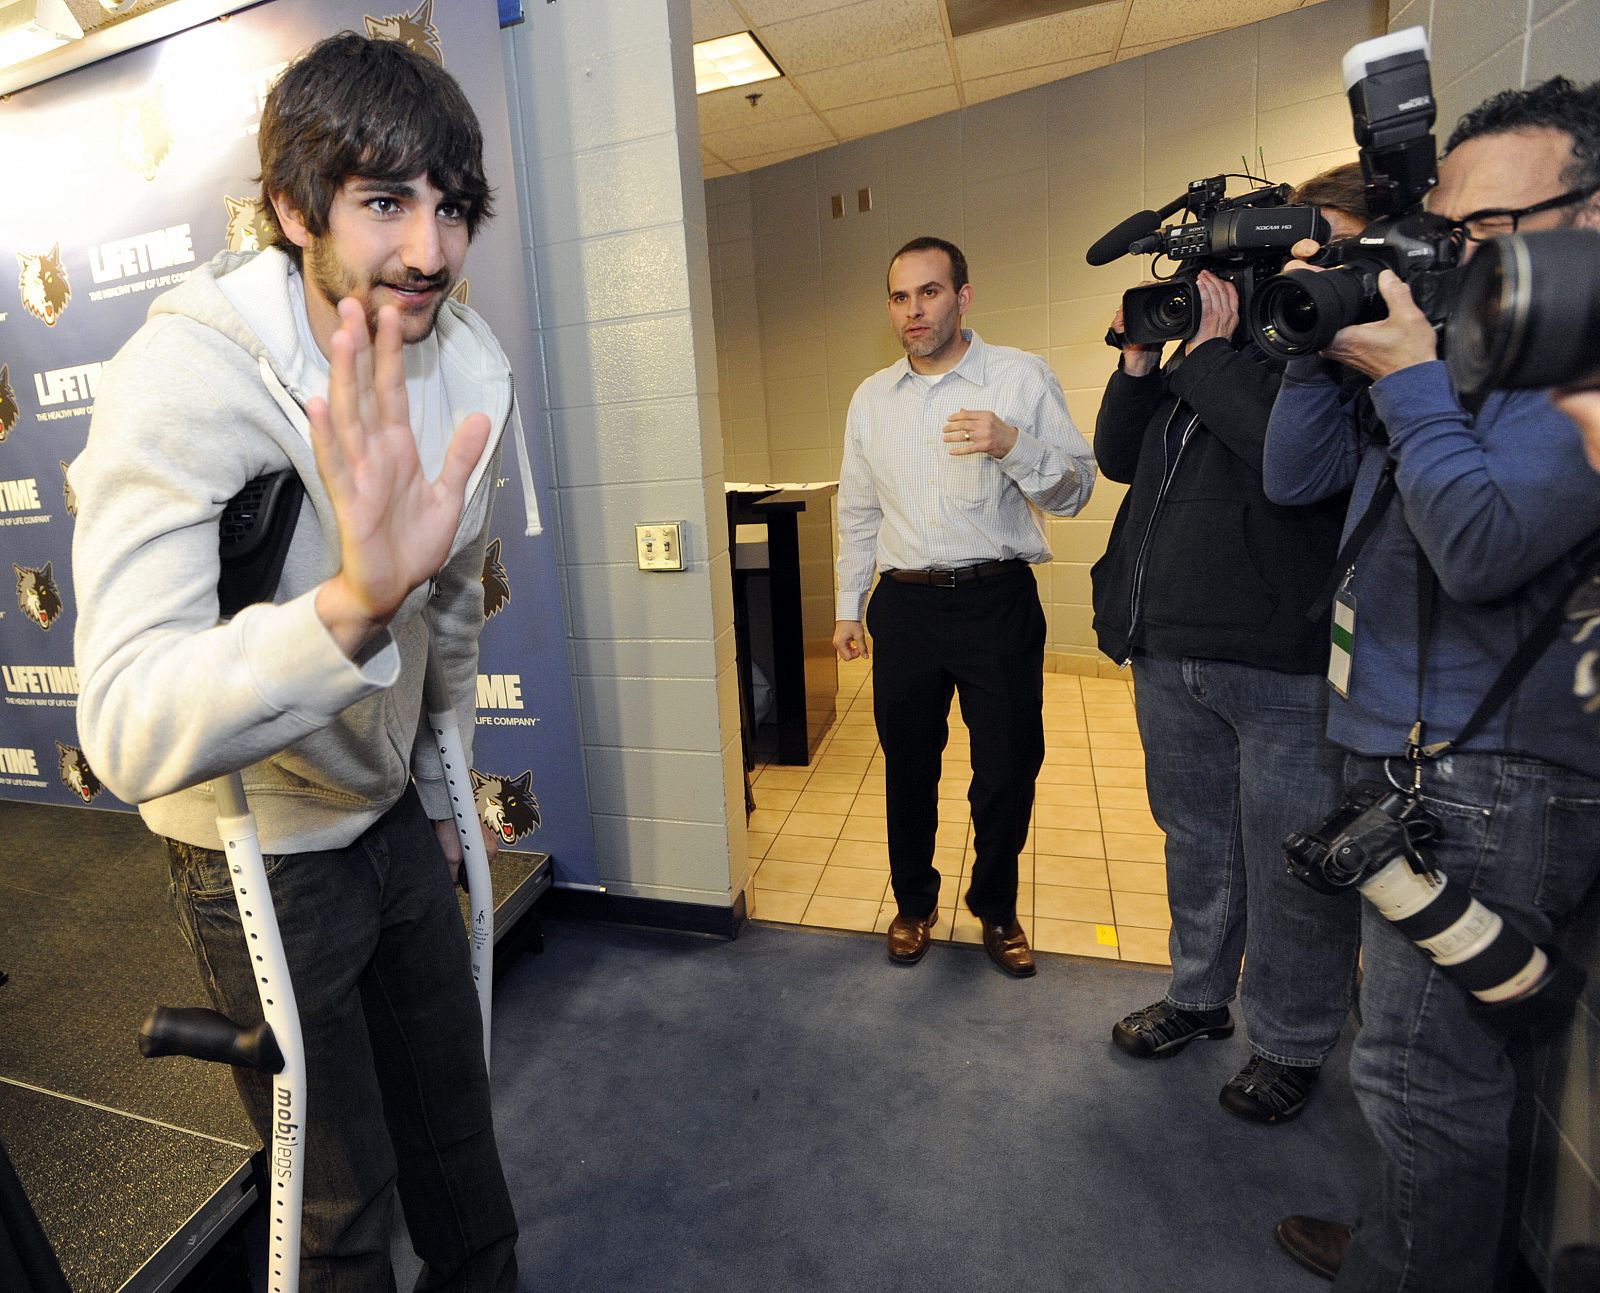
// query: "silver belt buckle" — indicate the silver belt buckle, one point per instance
point(942, 578)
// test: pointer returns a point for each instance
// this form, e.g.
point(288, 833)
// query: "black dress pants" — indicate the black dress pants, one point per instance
point(982, 640)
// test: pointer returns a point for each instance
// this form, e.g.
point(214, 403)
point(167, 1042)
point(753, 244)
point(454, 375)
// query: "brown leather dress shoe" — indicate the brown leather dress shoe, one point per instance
point(909, 937)
point(1008, 948)
point(1316, 1244)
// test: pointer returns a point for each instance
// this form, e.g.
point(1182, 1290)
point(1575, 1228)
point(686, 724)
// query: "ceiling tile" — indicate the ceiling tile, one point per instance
point(772, 159)
point(715, 18)
point(885, 114)
point(853, 32)
point(769, 11)
point(730, 109)
point(879, 78)
point(1126, 51)
point(1153, 20)
point(993, 87)
point(1043, 40)
point(768, 137)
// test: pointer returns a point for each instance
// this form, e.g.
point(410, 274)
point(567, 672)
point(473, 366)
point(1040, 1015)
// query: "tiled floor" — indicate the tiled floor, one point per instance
point(1091, 875)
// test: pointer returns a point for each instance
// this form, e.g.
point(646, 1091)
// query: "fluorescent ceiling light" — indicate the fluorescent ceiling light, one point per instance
point(731, 60)
point(29, 28)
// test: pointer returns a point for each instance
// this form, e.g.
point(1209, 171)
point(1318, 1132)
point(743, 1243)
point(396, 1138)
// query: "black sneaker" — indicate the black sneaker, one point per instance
point(1164, 1029)
point(1265, 1091)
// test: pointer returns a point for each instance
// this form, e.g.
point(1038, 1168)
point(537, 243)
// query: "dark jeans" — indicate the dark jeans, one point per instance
point(1434, 1077)
point(397, 1088)
point(1235, 759)
point(984, 641)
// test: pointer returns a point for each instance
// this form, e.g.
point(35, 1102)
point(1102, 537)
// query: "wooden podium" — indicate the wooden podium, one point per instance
point(783, 609)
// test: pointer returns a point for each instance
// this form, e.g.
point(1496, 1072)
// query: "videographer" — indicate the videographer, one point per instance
point(1203, 587)
point(1468, 553)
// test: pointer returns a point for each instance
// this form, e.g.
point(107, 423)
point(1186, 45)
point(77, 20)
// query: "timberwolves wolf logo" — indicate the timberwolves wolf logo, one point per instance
point(43, 284)
point(245, 231)
point(38, 595)
point(507, 807)
point(9, 410)
point(415, 29)
point(496, 583)
point(458, 293)
point(76, 774)
point(66, 488)
point(143, 139)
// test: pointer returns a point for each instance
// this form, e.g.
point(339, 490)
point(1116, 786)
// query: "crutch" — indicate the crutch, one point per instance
point(474, 857)
point(257, 525)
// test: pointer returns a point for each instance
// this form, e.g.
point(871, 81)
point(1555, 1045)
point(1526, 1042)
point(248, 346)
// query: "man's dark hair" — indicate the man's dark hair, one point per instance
point(1556, 104)
point(958, 262)
point(1343, 188)
point(371, 109)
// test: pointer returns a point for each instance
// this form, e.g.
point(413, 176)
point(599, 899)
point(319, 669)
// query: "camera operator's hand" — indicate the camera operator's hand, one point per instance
point(1402, 340)
point(1219, 310)
point(1583, 407)
point(1137, 361)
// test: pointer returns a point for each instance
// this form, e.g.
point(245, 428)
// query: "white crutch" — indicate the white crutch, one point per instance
point(474, 857)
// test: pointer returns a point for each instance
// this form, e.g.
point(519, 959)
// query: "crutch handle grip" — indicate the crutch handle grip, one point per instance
point(208, 1035)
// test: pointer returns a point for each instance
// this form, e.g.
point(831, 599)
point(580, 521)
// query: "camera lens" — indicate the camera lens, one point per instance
point(1297, 314)
point(1529, 314)
point(1160, 312)
point(1170, 313)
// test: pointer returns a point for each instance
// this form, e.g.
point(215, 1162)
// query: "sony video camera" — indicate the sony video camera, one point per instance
point(1391, 101)
point(1529, 314)
point(1243, 240)
point(1371, 842)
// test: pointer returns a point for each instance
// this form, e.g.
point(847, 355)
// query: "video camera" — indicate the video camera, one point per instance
point(1243, 240)
point(1391, 101)
point(1529, 314)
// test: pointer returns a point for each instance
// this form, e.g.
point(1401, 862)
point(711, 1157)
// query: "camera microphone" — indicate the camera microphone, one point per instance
point(1116, 243)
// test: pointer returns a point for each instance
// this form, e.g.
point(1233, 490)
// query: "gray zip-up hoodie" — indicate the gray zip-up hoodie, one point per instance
point(195, 405)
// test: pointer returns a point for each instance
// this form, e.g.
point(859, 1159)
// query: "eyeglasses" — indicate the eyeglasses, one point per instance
point(1480, 226)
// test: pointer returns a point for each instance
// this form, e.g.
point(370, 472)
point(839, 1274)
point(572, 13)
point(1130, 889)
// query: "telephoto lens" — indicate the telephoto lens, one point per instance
point(1529, 314)
point(1371, 842)
point(1297, 313)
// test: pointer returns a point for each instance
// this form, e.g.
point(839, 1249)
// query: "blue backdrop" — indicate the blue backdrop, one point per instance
point(126, 175)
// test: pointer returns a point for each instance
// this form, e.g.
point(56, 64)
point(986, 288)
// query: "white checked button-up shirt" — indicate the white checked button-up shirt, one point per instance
point(907, 503)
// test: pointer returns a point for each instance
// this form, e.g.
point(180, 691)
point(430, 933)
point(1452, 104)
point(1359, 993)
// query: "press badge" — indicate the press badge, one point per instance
point(1343, 633)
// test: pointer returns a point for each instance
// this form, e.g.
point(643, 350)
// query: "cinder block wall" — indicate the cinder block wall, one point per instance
point(1023, 183)
point(1480, 48)
point(607, 147)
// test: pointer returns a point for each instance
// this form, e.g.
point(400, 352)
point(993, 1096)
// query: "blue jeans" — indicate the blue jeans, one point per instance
point(397, 1091)
point(1235, 759)
point(1434, 1078)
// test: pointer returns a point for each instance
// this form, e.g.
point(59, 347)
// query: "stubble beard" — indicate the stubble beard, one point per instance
point(335, 281)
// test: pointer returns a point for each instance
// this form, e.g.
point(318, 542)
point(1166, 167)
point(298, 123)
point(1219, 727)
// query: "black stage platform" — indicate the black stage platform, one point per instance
point(135, 1167)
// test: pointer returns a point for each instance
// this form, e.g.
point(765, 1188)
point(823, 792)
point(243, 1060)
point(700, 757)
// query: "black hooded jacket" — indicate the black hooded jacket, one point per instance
point(1199, 562)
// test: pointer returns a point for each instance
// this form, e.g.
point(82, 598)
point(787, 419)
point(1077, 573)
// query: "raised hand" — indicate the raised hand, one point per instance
point(395, 525)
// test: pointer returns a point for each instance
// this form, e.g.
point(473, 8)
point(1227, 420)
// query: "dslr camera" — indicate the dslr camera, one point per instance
point(1529, 314)
point(1372, 842)
point(1391, 101)
point(1243, 240)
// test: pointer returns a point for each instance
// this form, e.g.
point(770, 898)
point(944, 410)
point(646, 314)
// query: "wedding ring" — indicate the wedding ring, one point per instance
point(967, 436)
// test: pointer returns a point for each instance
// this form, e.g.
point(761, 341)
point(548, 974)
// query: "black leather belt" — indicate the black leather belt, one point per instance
point(949, 578)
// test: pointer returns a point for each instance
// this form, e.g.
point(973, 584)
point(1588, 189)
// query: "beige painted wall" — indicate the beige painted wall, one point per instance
point(1023, 184)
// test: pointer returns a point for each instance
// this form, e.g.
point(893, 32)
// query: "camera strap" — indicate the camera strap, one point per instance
point(1517, 668)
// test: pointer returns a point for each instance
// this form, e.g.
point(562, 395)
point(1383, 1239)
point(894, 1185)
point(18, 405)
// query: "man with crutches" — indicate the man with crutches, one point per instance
point(337, 354)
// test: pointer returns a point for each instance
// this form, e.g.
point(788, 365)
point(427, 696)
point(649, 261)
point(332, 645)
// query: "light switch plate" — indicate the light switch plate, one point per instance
point(660, 545)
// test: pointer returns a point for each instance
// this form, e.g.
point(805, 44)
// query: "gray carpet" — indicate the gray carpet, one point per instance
point(790, 1111)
